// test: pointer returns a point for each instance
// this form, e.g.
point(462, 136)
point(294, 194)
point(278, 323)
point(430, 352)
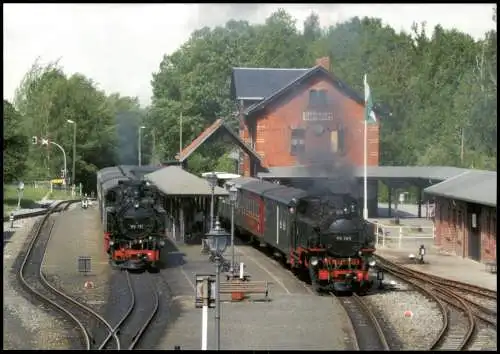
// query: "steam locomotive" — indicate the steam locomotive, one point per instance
point(132, 217)
point(320, 234)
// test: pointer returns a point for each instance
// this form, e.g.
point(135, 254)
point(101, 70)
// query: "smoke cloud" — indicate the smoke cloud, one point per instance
point(330, 172)
point(127, 127)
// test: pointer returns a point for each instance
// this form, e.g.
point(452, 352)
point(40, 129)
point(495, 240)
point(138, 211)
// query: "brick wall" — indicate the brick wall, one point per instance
point(274, 128)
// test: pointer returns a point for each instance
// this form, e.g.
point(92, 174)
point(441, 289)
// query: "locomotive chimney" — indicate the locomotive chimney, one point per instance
point(324, 62)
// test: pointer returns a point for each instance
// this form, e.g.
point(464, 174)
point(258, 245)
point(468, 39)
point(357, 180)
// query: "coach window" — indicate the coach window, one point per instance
point(298, 141)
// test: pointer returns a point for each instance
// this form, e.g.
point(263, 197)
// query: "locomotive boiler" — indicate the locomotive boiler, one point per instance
point(321, 234)
point(133, 220)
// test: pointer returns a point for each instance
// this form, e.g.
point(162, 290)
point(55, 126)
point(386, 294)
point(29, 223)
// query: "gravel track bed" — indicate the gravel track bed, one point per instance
point(27, 325)
point(485, 339)
point(405, 333)
point(119, 301)
point(40, 325)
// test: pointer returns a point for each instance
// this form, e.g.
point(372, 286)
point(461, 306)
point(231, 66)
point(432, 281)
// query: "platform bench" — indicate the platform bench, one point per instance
point(245, 287)
point(491, 267)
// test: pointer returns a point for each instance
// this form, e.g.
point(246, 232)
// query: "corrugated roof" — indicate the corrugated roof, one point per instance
point(439, 173)
point(259, 83)
point(211, 130)
point(173, 180)
point(474, 186)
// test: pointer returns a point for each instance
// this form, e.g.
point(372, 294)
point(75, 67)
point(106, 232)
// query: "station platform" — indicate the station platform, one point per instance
point(444, 265)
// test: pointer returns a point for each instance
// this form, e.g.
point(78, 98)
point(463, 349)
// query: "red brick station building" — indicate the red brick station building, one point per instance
point(285, 113)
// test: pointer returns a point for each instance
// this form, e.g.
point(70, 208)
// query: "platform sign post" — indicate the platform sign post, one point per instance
point(204, 298)
point(84, 264)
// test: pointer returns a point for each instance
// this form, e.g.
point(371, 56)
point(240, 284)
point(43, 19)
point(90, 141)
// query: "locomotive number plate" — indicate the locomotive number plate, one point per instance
point(343, 238)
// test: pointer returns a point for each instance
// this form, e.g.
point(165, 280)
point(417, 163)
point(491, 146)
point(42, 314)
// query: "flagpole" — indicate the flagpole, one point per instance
point(365, 172)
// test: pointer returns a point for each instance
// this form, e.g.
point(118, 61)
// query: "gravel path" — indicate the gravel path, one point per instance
point(77, 232)
point(405, 333)
point(27, 325)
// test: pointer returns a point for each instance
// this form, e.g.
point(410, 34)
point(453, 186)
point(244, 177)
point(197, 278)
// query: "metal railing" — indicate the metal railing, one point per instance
point(401, 236)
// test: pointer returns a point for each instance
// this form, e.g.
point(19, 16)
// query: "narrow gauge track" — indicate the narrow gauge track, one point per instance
point(89, 323)
point(368, 331)
point(144, 304)
point(460, 314)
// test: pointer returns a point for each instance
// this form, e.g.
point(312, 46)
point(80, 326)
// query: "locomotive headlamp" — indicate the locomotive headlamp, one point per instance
point(372, 263)
point(111, 243)
point(162, 243)
point(136, 205)
point(314, 261)
point(140, 241)
point(360, 253)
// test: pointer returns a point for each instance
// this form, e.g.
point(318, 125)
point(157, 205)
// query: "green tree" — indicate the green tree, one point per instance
point(15, 144)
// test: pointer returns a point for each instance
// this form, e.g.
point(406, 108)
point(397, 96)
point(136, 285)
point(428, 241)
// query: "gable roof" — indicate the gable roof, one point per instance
point(474, 186)
point(210, 131)
point(173, 180)
point(259, 83)
point(262, 85)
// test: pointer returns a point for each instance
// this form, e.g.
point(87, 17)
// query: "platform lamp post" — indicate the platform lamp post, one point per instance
point(233, 197)
point(217, 239)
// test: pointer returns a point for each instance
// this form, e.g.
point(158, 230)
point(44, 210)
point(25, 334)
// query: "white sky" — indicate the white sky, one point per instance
point(120, 45)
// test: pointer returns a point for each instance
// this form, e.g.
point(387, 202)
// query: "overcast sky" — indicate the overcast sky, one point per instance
point(121, 45)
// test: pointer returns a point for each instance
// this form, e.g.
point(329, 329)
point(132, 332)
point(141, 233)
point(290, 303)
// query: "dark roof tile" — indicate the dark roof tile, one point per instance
point(260, 83)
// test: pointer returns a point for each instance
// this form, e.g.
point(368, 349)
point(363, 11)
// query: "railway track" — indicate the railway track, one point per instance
point(466, 317)
point(88, 322)
point(367, 329)
point(95, 332)
point(144, 304)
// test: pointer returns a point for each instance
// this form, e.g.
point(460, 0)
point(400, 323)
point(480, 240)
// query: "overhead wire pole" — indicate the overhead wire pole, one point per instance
point(74, 150)
point(368, 114)
point(139, 131)
point(180, 136)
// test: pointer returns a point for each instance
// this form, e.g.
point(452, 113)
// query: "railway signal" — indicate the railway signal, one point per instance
point(34, 140)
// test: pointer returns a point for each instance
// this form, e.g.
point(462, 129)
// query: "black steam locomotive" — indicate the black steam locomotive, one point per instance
point(322, 234)
point(132, 216)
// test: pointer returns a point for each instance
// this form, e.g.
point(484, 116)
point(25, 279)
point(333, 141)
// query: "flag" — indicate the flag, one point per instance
point(369, 113)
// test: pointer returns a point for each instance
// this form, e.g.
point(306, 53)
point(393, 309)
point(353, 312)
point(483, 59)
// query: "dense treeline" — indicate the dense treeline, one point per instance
point(437, 86)
point(44, 102)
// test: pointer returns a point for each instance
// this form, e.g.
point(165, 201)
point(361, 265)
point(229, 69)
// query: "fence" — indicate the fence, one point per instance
point(402, 236)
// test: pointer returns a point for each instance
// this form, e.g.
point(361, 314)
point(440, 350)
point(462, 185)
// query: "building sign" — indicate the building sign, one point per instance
point(314, 116)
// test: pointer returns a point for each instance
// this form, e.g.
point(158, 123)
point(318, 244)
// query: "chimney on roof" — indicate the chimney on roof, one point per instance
point(324, 62)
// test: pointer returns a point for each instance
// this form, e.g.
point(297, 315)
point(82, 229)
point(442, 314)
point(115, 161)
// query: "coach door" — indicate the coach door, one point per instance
point(474, 232)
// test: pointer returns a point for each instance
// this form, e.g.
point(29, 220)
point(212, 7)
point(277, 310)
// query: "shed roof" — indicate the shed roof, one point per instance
point(209, 132)
point(474, 186)
point(173, 180)
point(438, 173)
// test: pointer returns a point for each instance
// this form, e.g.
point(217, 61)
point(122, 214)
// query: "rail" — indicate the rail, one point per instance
point(454, 335)
point(48, 293)
point(368, 332)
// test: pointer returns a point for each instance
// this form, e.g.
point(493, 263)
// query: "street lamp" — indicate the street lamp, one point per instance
point(217, 239)
point(20, 190)
point(74, 149)
point(139, 143)
point(212, 180)
point(233, 197)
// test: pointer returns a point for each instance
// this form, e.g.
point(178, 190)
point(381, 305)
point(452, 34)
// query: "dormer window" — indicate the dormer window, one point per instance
point(317, 98)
